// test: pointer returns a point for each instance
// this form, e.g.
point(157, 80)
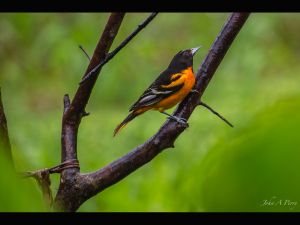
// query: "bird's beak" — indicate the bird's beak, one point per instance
point(194, 50)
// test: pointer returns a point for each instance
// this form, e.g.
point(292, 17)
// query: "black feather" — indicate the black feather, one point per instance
point(155, 92)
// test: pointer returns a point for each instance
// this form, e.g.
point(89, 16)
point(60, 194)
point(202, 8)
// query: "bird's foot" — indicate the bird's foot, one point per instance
point(182, 121)
point(195, 91)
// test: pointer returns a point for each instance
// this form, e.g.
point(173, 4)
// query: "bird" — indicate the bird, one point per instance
point(169, 88)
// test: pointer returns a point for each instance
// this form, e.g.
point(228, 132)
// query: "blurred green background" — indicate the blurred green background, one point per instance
point(253, 167)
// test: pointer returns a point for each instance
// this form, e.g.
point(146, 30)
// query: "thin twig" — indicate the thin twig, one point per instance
point(55, 169)
point(85, 53)
point(216, 113)
point(117, 49)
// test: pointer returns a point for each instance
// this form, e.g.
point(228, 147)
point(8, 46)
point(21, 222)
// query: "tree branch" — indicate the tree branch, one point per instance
point(76, 188)
point(73, 111)
point(4, 138)
point(69, 197)
point(72, 116)
point(169, 132)
point(122, 45)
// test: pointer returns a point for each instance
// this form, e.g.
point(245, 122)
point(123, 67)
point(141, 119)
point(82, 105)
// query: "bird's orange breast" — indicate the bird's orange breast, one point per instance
point(187, 78)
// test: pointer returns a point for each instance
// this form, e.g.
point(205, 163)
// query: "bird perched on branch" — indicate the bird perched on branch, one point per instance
point(170, 88)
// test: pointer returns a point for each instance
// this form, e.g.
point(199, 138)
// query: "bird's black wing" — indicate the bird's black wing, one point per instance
point(156, 92)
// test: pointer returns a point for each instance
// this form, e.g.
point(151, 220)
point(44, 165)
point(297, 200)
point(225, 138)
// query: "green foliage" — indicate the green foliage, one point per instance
point(18, 194)
point(255, 168)
point(212, 167)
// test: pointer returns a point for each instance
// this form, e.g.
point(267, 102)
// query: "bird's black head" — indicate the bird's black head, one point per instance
point(183, 59)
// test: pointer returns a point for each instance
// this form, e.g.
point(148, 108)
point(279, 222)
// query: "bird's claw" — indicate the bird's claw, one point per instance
point(195, 91)
point(182, 121)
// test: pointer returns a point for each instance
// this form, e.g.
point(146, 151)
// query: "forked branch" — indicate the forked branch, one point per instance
point(76, 188)
point(84, 186)
point(75, 110)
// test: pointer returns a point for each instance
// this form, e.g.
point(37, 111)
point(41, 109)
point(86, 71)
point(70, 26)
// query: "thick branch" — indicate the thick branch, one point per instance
point(4, 138)
point(168, 133)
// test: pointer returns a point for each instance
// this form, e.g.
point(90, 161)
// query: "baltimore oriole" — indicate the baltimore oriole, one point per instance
point(170, 88)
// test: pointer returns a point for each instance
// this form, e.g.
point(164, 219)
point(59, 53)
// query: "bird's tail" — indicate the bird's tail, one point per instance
point(130, 117)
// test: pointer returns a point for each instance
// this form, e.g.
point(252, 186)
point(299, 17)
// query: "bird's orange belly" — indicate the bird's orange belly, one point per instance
point(188, 79)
